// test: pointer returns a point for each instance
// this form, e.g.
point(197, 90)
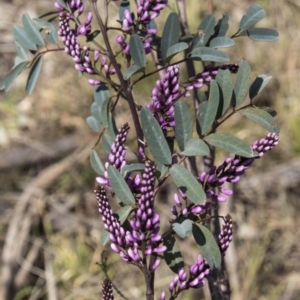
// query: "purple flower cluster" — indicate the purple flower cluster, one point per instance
point(107, 290)
point(195, 279)
point(210, 72)
point(232, 169)
point(225, 236)
point(116, 157)
point(148, 10)
point(164, 96)
point(81, 56)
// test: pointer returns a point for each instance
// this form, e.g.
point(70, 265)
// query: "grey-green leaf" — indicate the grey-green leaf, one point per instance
point(96, 163)
point(222, 26)
point(104, 239)
point(23, 39)
point(137, 50)
point(205, 30)
point(8, 80)
point(258, 85)
point(51, 34)
point(155, 137)
point(224, 80)
point(183, 229)
point(93, 123)
point(34, 75)
point(32, 31)
point(119, 186)
point(230, 143)
point(208, 110)
point(132, 168)
point(132, 70)
point(101, 93)
point(125, 5)
point(112, 129)
point(242, 84)
point(221, 42)
point(262, 34)
point(21, 52)
point(183, 124)
point(208, 245)
point(188, 184)
point(96, 111)
point(209, 54)
point(254, 14)
point(170, 33)
point(176, 48)
point(107, 141)
point(173, 255)
point(104, 112)
point(260, 117)
point(195, 147)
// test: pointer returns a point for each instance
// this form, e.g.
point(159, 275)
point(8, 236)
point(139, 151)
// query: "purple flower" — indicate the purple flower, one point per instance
point(107, 290)
point(149, 10)
point(232, 169)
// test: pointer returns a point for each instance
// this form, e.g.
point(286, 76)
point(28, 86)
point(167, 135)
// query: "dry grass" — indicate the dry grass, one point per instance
point(67, 232)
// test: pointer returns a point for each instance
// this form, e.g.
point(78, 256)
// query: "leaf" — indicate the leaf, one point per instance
point(170, 34)
point(183, 229)
point(112, 129)
point(208, 110)
point(132, 168)
point(91, 36)
point(209, 54)
point(173, 50)
point(62, 3)
point(230, 143)
point(262, 34)
point(137, 50)
point(183, 124)
point(260, 117)
point(132, 70)
point(119, 186)
point(258, 85)
point(51, 34)
point(34, 75)
point(222, 26)
point(101, 93)
point(32, 31)
point(271, 111)
point(161, 168)
point(23, 39)
point(48, 13)
point(8, 80)
point(221, 42)
point(254, 14)
point(196, 147)
point(93, 123)
point(107, 141)
point(242, 84)
point(208, 245)
point(205, 30)
point(173, 255)
point(21, 52)
point(96, 163)
point(125, 5)
point(96, 111)
point(155, 137)
point(188, 184)
point(104, 112)
point(104, 239)
point(224, 81)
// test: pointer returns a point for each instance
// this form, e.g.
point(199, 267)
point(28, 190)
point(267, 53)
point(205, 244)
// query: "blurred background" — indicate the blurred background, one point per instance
point(49, 222)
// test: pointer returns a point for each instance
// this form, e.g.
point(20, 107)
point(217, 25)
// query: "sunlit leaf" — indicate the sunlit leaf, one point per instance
point(23, 39)
point(101, 93)
point(258, 85)
point(173, 50)
point(222, 26)
point(125, 5)
point(21, 52)
point(34, 75)
point(93, 123)
point(262, 34)
point(209, 54)
point(183, 124)
point(188, 184)
point(195, 147)
point(170, 33)
point(137, 50)
point(254, 14)
point(205, 30)
point(32, 31)
point(183, 229)
point(230, 143)
point(155, 137)
point(221, 42)
point(119, 186)
point(107, 141)
point(96, 163)
point(208, 245)
point(242, 84)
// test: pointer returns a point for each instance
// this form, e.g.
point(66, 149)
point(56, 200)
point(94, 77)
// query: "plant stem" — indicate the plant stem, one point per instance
point(124, 83)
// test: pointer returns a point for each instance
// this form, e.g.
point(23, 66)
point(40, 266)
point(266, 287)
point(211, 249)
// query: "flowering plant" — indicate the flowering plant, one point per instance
point(166, 144)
